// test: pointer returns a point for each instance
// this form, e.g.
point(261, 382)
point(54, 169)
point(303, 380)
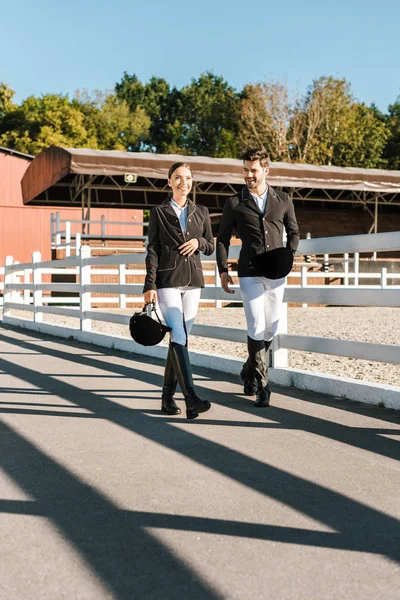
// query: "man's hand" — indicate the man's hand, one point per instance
point(190, 247)
point(150, 296)
point(226, 279)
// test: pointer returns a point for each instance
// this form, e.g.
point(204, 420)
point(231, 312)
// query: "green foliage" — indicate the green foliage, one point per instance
point(208, 117)
point(392, 149)
point(41, 122)
point(265, 118)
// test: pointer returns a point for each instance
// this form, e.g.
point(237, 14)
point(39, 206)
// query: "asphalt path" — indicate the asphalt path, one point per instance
point(103, 496)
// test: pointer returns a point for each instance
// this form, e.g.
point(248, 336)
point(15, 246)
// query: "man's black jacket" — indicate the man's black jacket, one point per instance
point(259, 232)
point(165, 266)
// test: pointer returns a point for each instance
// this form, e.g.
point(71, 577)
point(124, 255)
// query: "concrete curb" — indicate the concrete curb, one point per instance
point(351, 389)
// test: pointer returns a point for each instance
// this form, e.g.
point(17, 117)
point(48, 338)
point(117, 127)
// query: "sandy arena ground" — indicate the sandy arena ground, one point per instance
point(371, 324)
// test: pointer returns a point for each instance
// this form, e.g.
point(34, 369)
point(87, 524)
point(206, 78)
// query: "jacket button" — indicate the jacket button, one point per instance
point(267, 245)
point(185, 259)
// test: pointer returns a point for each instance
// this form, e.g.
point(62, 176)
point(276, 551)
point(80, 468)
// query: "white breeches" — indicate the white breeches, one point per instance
point(262, 302)
point(179, 309)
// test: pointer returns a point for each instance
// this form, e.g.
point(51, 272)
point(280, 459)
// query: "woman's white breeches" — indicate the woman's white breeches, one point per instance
point(262, 302)
point(179, 309)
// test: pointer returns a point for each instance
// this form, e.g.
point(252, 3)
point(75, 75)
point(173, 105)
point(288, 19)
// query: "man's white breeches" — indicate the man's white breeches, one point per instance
point(262, 302)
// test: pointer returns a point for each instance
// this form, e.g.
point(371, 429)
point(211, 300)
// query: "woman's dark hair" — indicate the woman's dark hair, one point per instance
point(176, 166)
point(253, 154)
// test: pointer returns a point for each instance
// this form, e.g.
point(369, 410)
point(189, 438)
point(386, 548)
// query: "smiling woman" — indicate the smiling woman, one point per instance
point(178, 231)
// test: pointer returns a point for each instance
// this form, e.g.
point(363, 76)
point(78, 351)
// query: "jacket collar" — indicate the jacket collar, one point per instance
point(248, 199)
point(166, 205)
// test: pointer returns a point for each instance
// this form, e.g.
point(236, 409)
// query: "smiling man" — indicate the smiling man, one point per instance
point(259, 215)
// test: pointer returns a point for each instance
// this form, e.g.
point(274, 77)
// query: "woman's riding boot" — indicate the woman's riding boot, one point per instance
point(168, 404)
point(258, 361)
point(183, 370)
point(249, 381)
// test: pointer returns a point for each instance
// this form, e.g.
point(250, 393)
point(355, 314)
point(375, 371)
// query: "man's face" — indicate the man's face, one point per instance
point(254, 174)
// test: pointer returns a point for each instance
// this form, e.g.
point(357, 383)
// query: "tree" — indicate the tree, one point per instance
point(41, 122)
point(265, 118)
point(161, 104)
point(363, 141)
point(319, 121)
point(210, 117)
point(110, 123)
point(392, 149)
point(6, 96)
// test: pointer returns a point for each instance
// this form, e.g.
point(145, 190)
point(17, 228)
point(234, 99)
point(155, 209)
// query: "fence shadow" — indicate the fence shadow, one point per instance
point(356, 526)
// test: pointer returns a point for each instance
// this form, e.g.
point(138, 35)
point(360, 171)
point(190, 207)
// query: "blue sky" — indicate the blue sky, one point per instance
point(59, 46)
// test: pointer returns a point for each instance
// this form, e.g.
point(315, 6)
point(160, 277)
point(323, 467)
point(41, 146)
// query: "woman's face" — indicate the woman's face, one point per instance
point(181, 181)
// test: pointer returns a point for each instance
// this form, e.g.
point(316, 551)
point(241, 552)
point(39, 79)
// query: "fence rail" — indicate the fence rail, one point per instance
point(24, 287)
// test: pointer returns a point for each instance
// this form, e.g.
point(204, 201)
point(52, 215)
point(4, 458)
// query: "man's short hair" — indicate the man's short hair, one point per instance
point(253, 154)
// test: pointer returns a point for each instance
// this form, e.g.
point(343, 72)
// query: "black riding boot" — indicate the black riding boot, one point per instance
point(249, 381)
point(247, 375)
point(258, 361)
point(169, 387)
point(183, 370)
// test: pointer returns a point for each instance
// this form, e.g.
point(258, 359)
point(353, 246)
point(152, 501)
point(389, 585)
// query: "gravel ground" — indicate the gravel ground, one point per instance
point(371, 324)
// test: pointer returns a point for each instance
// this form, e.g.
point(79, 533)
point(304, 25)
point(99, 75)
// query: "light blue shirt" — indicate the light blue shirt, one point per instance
point(261, 201)
point(181, 213)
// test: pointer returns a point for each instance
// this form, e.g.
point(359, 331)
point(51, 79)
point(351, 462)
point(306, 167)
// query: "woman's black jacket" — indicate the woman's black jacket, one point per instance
point(165, 267)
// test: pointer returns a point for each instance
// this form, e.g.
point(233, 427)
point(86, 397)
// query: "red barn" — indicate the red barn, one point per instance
point(24, 229)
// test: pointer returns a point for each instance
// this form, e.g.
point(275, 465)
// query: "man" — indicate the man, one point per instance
point(259, 214)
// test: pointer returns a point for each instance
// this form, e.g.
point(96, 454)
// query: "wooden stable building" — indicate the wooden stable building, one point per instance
point(329, 201)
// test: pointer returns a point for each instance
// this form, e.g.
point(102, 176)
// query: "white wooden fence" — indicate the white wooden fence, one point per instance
point(24, 287)
point(65, 235)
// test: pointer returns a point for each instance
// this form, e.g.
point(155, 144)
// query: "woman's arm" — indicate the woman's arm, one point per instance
point(206, 241)
point(153, 253)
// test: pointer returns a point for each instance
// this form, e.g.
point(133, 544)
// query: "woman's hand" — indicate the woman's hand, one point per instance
point(150, 296)
point(190, 247)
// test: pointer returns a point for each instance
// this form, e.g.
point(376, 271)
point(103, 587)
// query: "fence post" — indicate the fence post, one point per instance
point(303, 281)
point(384, 277)
point(346, 268)
point(67, 239)
point(27, 293)
point(103, 226)
point(326, 263)
point(307, 258)
point(122, 281)
point(85, 296)
point(78, 243)
point(58, 229)
point(7, 282)
point(52, 230)
point(16, 294)
point(279, 356)
point(356, 267)
point(37, 294)
point(217, 283)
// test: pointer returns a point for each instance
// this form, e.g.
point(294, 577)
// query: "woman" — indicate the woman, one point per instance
point(178, 231)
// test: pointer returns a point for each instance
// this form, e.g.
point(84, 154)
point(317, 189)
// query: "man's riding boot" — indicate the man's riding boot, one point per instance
point(249, 381)
point(183, 370)
point(258, 361)
point(168, 404)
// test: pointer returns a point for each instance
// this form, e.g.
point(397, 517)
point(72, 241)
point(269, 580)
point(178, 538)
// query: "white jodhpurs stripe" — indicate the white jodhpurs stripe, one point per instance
point(262, 303)
point(179, 308)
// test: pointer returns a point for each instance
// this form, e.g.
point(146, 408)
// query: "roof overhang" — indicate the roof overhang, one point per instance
point(58, 168)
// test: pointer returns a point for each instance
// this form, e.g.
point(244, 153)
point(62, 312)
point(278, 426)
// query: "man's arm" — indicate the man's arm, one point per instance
point(291, 226)
point(224, 237)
